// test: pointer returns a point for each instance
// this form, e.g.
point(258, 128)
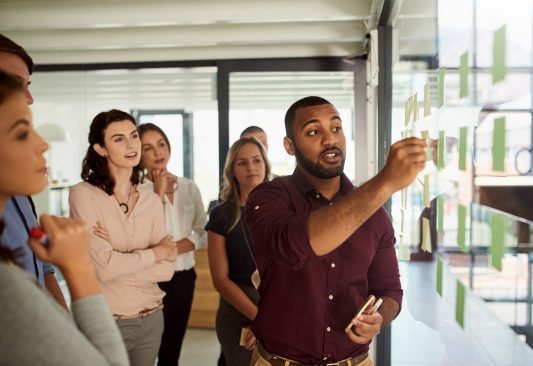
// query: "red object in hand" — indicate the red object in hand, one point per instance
point(36, 233)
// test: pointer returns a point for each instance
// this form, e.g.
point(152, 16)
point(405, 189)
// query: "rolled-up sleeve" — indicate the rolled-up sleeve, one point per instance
point(383, 273)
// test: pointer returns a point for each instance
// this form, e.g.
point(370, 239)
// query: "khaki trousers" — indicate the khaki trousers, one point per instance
point(259, 360)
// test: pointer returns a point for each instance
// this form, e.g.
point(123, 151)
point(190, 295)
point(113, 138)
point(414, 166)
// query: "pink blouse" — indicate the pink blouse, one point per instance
point(125, 265)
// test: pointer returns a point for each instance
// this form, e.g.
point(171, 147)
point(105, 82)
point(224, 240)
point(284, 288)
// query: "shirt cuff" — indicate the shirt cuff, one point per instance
point(48, 268)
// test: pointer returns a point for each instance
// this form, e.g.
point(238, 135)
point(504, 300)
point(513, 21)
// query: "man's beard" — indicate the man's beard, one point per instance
point(315, 168)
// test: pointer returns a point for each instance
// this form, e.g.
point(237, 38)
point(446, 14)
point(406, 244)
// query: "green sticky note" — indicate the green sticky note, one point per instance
point(439, 276)
point(441, 148)
point(462, 147)
point(440, 215)
point(463, 75)
point(440, 97)
point(461, 228)
point(497, 238)
point(499, 70)
point(460, 304)
point(498, 145)
point(427, 101)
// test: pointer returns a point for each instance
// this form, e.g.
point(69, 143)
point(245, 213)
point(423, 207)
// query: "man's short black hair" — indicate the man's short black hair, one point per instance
point(251, 129)
point(302, 103)
point(8, 46)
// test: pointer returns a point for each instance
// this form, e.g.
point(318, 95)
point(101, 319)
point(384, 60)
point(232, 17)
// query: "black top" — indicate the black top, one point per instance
point(240, 262)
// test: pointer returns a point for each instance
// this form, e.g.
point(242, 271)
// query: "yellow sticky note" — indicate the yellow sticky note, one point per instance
point(426, 190)
point(426, 235)
point(427, 102)
point(408, 110)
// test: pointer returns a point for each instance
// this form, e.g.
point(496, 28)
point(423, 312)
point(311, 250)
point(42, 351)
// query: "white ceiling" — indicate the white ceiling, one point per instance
point(96, 31)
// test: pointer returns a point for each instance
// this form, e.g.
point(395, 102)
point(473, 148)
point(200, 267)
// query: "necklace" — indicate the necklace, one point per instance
point(124, 205)
point(255, 275)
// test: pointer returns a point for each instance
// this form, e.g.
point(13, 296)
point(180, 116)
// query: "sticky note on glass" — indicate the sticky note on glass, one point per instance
point(404, 198)
point(439, 276)
point(460, 304)
point(429, 151)
point(415, 107)
point(440, 215)
point(463, 132)
point(498, 145)
point(499, 69)
point(427, 102)
point(461, 228)
point(408, 110)
point(426, 235)
point(440, 96)
point(441, 147)
point(463, 75)
point(497, 239)
point(426, 190)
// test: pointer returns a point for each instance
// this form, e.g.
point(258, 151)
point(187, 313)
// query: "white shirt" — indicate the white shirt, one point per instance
point(185, 218)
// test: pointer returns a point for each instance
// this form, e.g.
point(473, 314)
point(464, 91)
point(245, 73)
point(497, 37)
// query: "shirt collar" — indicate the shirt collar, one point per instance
point(305, 187)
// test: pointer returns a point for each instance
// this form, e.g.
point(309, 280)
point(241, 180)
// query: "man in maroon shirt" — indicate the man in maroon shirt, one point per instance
point(322, 246)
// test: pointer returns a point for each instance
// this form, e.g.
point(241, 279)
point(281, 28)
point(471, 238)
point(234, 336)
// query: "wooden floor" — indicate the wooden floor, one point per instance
point(205, 301)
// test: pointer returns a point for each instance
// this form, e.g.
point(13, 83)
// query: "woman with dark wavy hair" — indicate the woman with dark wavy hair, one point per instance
point(130, 247)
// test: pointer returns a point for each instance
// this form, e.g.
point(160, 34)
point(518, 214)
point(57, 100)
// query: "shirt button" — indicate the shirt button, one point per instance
point(330, 297)
point(256, 207)
point(332, 265)
point(328, 329)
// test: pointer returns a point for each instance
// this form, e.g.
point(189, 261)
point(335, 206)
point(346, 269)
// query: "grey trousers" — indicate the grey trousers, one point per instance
point(142, 338)
point(229, 323)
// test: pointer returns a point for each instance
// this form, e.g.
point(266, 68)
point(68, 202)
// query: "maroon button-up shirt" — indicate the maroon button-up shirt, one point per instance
point(307, 300)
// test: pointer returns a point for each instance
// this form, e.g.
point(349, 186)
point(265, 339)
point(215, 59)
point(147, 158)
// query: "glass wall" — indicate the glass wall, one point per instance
point(479, 200)
point(262, 98)
point(71, 100)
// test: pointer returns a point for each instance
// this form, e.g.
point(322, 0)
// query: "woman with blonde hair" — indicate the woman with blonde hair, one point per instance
point(230, 249)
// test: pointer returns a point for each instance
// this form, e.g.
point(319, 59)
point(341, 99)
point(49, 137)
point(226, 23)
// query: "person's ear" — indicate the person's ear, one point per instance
point(289, 146)
point(100, 150)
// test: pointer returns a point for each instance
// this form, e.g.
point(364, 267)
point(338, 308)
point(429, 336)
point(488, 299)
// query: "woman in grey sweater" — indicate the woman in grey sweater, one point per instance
point(34, 329)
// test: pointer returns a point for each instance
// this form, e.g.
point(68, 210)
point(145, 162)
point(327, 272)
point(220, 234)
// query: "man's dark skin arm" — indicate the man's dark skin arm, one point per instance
point(330, 226)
